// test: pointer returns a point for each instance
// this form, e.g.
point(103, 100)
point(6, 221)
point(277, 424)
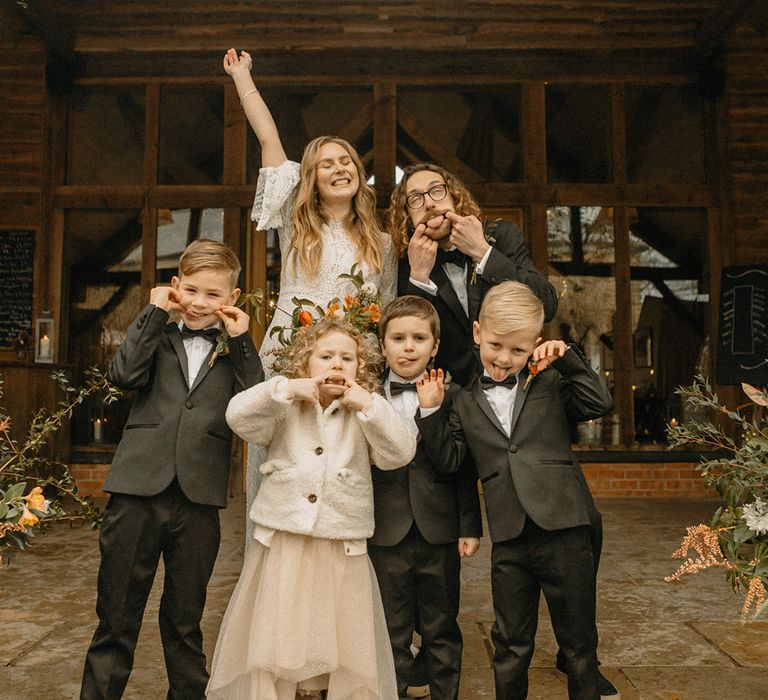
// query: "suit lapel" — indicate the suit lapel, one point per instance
point(446, 292)
point(522, 395)
point(178, 345)
point(485, 407)
point(203, 371)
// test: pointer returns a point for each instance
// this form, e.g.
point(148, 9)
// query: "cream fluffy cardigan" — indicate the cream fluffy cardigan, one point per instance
point(317, 476)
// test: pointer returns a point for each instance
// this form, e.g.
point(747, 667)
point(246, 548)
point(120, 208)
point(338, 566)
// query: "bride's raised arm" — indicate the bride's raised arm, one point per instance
point(238, 67)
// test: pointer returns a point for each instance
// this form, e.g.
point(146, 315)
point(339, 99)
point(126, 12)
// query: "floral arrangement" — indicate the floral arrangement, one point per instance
point(736, 538)
point(362, 310)
point(27, 477)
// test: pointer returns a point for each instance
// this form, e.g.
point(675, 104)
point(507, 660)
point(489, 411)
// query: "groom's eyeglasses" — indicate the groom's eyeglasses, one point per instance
point(436, 193)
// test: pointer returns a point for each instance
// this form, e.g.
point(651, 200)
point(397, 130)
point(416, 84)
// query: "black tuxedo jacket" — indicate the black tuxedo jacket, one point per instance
point(508, 260)
point(443, 506)
point(533, 471)
point(172, 429)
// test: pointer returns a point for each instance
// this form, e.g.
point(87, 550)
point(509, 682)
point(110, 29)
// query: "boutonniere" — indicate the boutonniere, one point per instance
point(488, 230)
point(222, 348)
point(534, 368)
point(251, 303)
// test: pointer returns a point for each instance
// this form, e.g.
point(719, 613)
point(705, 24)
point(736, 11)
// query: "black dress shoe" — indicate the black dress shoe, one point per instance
point(606, 688)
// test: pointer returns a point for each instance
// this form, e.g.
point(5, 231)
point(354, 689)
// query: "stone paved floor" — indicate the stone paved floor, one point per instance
point(657, 640)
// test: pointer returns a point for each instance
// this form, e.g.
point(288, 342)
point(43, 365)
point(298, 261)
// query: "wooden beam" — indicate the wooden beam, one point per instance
point(235, 164)
point(384, 137)
point(149, 210)
point(437, 150)
point(623, 399)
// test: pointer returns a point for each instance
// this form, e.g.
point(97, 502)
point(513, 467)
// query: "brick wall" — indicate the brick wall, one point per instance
point(89, 478)
point(640, 480)
point(646, 480)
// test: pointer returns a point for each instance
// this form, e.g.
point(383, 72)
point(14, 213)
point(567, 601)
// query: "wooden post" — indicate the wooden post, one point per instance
point(149, 211)
point(235, 147)
point(623, 396)
point(384, 138)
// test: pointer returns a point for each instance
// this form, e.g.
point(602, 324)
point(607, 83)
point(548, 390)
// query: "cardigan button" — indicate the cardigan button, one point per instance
point(513, 448)
point(188, 404)
point(318, 450)
point(311, 498)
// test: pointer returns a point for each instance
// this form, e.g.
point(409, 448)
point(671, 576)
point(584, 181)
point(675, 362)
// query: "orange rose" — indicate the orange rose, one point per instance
point(305, 318)
point(35, 499)
point(373, 311)
point(28, 518)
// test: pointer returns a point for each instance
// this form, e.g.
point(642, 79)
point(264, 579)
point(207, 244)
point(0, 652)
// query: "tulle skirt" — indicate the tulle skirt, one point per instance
point(303, 616)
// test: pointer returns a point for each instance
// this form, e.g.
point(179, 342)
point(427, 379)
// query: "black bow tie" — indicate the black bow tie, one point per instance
point(489, 383)
point(454, 256)
point(207, 333)
point(397, 388)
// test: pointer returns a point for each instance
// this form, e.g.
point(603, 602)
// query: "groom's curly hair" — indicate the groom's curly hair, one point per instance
point(295, 360)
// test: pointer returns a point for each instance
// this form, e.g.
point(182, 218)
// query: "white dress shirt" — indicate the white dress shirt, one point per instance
point(407, 403)
point(197, 349)
point(502, 402)
point(457, 276)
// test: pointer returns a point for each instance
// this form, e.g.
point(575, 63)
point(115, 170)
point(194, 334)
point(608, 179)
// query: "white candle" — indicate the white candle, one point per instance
point(97, 427)
point(45, 347)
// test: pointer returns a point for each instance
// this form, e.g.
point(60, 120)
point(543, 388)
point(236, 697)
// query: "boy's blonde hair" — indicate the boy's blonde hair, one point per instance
point(410, 305)
point(511, 306)
point(207, 254)
point(295, 362)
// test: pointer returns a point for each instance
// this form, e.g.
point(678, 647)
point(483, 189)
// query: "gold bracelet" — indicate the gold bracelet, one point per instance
point(250, 92)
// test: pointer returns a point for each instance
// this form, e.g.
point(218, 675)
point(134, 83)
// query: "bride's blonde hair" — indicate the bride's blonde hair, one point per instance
point(308, 217)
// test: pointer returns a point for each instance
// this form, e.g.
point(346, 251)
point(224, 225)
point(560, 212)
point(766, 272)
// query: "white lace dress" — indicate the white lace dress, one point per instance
point(272, 209)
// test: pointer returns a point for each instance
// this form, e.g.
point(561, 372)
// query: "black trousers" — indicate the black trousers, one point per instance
point(135, 531)
point(420, 586)
point(561, 564)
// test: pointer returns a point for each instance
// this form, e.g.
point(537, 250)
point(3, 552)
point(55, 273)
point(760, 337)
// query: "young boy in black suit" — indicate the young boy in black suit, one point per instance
point(169, 474)
point(515, 423)
point(425, 521)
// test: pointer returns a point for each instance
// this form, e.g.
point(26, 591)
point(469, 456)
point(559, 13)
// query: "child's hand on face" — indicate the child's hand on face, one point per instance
point(549, 351)
point(306, 388)
point(356, 398)
point(234, 64)
point(431, 389)
point(468, 546)
point(166, 298)
point(235, 320)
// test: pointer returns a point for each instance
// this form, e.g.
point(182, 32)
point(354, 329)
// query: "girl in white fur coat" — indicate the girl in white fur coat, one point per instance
point(305, 619)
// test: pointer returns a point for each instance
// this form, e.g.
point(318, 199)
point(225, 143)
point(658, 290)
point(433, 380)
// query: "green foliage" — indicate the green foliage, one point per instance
point(31, 484)
point(738, 470)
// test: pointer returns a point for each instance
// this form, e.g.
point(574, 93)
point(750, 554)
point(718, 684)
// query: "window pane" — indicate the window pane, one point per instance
point(670, 313)
point(303, 114)
point(578, 133)
point(665, 135)
point(581, 273)
point(191, 136)
point(103, 300)
point(105, 136)
point(479, 141)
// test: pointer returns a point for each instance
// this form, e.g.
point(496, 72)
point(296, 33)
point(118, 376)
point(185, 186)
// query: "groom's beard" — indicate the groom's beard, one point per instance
point(441, 227)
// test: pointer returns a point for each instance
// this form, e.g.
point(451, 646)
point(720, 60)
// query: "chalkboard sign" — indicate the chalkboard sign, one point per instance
point(17, 267)
point(742, 354)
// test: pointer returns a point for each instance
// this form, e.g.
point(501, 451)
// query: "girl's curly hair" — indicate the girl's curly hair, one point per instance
point(295, 360)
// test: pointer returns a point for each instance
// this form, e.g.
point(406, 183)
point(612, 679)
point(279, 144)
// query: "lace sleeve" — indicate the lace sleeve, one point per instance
point(388, 270)
point(275, 196)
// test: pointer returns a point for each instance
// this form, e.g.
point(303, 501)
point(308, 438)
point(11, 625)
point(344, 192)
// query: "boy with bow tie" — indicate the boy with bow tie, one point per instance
point(515, 424)
point(425, 521)
point(169, 474)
